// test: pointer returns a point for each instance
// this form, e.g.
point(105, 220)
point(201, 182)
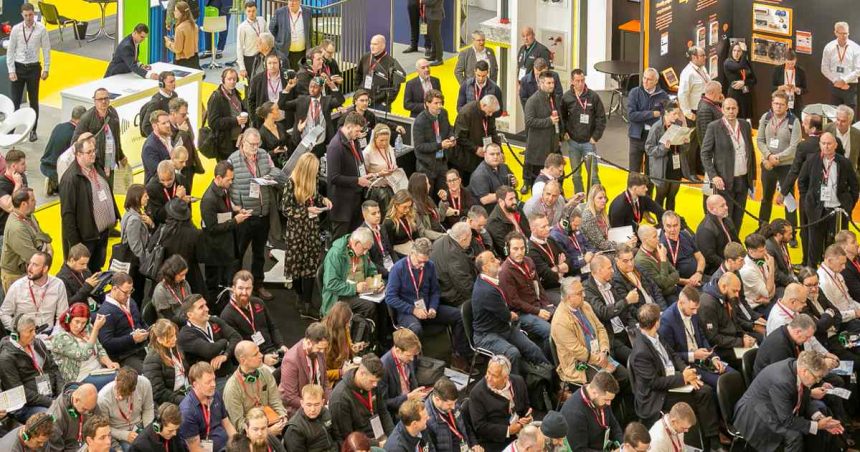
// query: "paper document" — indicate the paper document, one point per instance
point(790, 203)
point(262, 181)
point(458, 378)
point(621, 234)
point(103, 371)
point(683, 389)
point(741, 351)
point(376, 298)
point(13, 399)
point(845, 368)
point(842, 393)
point(677, 135)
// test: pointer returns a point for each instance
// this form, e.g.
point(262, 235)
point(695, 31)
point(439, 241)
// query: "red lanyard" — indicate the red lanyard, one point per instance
point(366, 402)
point(841, 55)
point(735, 132)
point(637, 214)
point(776, 125)
point(169, 196)
point(600, 420)
point(375, 61)
point(377, 236)
point(785, 311)
point(252, 170)
point(80, 428)
point(207, 416)
point(127, 316)
point(674, 253)
point(130, 410)
point(547, 251)
point(744, 74)
point(652, 255)
point(355, 153)
point(237, 105)
point(452, 424)
point(478, 91)
point(826, 168)
point(702, 75)
point(32, 354)
point(496, 286)
point(33, 296)
point(575, 241)
point(386, 157)
point(835, 281)
point(583, 104)
point(255, 26)
point(313, 368)
point(515, 219)
point(524, 269)
point(315, 110)
point(227, 201)
point(251, 321)
point(853, 262)
point(273, 89)
point(456, 201)
point(93, 176)
point(404, 375)
point(486, 124)
point(722, 225)
point(415, 284)
point(551, 103)
point(436, 128)
point(175, 295)
point(406, 228)
point(786, 78)
point(676, 442)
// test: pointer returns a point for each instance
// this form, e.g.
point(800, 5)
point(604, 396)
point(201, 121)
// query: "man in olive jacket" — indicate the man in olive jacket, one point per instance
point(651, 260)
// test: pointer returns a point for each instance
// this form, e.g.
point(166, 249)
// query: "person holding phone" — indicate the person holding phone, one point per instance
point(399, 383)
point(81, 356)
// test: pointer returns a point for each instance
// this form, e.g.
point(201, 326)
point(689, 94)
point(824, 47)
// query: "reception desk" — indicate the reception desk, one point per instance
point(128, 94)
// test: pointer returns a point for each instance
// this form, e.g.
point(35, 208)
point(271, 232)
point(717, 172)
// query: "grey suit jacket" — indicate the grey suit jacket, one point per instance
point(467, 60)
point(718, 152)
point(855, 141)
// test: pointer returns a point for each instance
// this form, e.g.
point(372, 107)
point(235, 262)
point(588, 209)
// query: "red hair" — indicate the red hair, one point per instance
point(355, 442)
point(75, 310)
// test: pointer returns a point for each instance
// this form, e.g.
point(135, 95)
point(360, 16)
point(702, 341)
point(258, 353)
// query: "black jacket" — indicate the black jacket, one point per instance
point(124, 59)
point(148, 441)
point(262, 322)
point(719, 327)
point(77, 289)
point(76, 207)
point(196, 347)
point(401, 441)
point(92, 123)
point(775, 347)
point(583, 431)
point(386, 74)
point(652, 384)
point(413, 96)
point(490, 412)
point(809, 146)
point(621, 211)
point(778, 79)
point(812, 177)
point(342, 177)
point(223, 123)
point(606, 312)
point(547, 277)
point(784, 273)
point(16, 369)
point(353, 416)
point(301, 106)
point(825, 318)
point(258, 93)
point(711, 240)
point(851, 274)
point(217, 245)
point(390, 382)
point(571, 113)
point(426, 145)
point(159, 196)
point(469, 130)
point(163, 377)
point(526, 56)
point(455, 270)
point(157, 102)
point(309, 435)
point(718, 153)
point(376, 254)
point(706, 113)
point(621, 286)
point(499, 227)
point(469, 93)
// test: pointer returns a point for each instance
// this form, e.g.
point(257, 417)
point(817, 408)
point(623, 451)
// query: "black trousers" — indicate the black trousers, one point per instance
point(29, 76)
point(530, 173)
point(414, 24)
point(249, 65)
point(219, 277)
point(295, 59)
point(254, 232)
point(844, 96)
point(769, 178)
point(820, 236)
point(738, 193)
point(192, 62)
point(434, 32)
point(636, 155)
point(98, 251)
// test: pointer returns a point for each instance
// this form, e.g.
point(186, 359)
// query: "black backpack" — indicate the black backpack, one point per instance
point(153, 254)
point(143, 118)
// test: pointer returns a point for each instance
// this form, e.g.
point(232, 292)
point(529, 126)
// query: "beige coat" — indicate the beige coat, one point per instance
point(569, 339)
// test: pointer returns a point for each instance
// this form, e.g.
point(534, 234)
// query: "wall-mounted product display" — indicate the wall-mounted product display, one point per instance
point(670, 76)
point(769, 49)
point(771, 19)
point(556, 41)
point(803, 42)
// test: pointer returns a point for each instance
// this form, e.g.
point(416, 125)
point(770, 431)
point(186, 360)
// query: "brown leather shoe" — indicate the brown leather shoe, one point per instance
point(264, 294)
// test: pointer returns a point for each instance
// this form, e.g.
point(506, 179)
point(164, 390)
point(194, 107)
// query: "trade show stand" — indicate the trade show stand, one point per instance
point(129, 92)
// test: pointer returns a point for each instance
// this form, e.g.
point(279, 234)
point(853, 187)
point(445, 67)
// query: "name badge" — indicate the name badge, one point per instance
point(103, 195)
point(791, 103)
point(486, 141)
point(840, 69)
point(368, 82)
point(647, 127)
point(419, 304)
point(207, 445)
point(43, 385)
point(362, 142)
point(594, 345)
point(254, 190)
point(583, 118)
point(826, 194)
point(258, 338)
point(521, 73)
point(224, 217)
point(676, 161)
point(773, 143)
point(422, 28)
point(669, 371)
point(387, 262)
point(29, 54)
point(464, 447)
point(362, 171)
point(376, 425)
point(440, 154)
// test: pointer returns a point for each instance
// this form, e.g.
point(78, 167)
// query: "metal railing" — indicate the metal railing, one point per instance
point(332, 20)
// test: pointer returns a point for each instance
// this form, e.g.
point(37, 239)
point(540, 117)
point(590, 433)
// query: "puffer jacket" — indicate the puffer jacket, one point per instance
point(240, 192)
point(16, 369)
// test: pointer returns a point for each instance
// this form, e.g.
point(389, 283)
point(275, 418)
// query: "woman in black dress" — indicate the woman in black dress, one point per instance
point(740, 79)
point(273, 135)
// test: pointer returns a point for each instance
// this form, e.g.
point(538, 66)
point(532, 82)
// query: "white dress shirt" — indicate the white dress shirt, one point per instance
point(692, 87)
point(834, 288)
point(662, 435)
point(845, 139)
point(24, 45)
point(832, 181)
point(46, 303)
point(246, 43)
point(846, 68)
point(781, 315)
point(754, 279)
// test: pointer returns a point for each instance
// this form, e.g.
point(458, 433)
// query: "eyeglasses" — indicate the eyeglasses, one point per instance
point(253, 144)
point(452, 180)
point(128, 292)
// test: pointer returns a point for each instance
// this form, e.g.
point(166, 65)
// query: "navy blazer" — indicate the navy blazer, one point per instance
point(115, 335)
point(672, 331)
point(124, 59)
point(152, 154)
point(390, 382)
point(413, 97)
point(280, 28)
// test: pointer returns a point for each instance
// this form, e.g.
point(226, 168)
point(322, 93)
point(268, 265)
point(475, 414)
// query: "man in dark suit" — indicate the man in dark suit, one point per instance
point(529, 52)
point(716, 314)
point(416, 18)
point(417, 88)
point(379, 73)
point(292, 28)
point(715, 232)
point(346, 176)
point(544, 127)
point(314, 110)
point(728, 141)
point(124, 59)
point(479, 86)
point(777, 246)
point(165, 185)
point(848, 136)
point(825, 191)
point(681, 330)
point(784, 342)
point(628, 279)
point(455, 264)
point(496, 419)
point(468, 58)
point(791, 79)
point(219, 220)
point(615, 313)
point(584, 427)
point(658, 370)
point(433, 137)
point(474, 128)
point(271, 80)
point(399, 382)
point(549, 258)
point(628, 208)
point(776, 412)
point(158, 145)
point(382, 252)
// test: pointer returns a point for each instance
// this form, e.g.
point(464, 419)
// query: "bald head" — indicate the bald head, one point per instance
point(717, 206)
point(795, 296)
point(245, 349)
point(827, 142)
point(377, 44)
point(714, 90)
point(85, 398)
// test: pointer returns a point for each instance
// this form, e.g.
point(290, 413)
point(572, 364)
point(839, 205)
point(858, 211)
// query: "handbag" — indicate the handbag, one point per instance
point(205, 138)
point(122, 258)
point(152, 258)
point(428, 370)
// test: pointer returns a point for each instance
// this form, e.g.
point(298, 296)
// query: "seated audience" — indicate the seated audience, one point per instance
point(506, 216)
point(205, 425)
point(530, 439)
point(399, 383)
point(258, 435)
point(495, 327)
point(250, 317)
point(454, 259)
point(833, 285)
point(77, 349)
point(851, 274)
point(402, 224)
point(127, 404)
point(553, 169)
point(32, 436)
point(827, 318)
point(779, 235)
point(549, 203)
point(124, 334)
point(616, 313)
point(208, 338)
point(554, 430)
point(37, 284)
point(667, 434)
point(382, 252)
point(476, 218)
point(550, 262)
point(96, 432)
point(523, 293)
point(595, 223)
point(250, 386)
point(171, 289)
point(569, 238)
point(162, 433)
point(682, 251)
point(427, 213)
point(658, 369)
point(304, 364)
point(636, 438)
point(786, 308)
point(499, 406)
point(786, 341)
point(165, 366)
point(591, 425)
point(628, 208)
point(341, 350)
point(346, 269)
point(751, 321)
point(715, 232)
point(757, 274)
point(628, 278)
point(310, 427)
point(652, 260)
point(70, 410)
point(717, 314)
point(360, 403)
point(407, 434)
point(457, 196)
point(447, 430)
point(80, 282)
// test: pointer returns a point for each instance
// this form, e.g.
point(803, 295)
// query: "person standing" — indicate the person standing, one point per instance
point(246, 42)
point(694, 77)
point(584, 122)
point(468, 59)
point(184, 44)
point(847, 137)
point(840, 63)
point(124, 59)
point(22, 60)
point(791, 79)
point(665, 159)
point(102, 121)
point(61, 138)
point(480, 86)
point(475, 130)
point(644, 108)
point(379, 73)
point(346, 175)
point(418, 87)
point(292, 29)
point(434, 14)
point(433, 140)
point(530, 51)
point(777, 139)
point(740, 79)
point(228, 115)
point(543, 128)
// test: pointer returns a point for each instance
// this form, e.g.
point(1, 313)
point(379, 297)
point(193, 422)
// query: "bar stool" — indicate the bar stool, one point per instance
point(214, 25)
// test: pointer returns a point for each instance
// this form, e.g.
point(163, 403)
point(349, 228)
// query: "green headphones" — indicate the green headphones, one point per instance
point(73, 413)
point(251, 377)
point(28, 431)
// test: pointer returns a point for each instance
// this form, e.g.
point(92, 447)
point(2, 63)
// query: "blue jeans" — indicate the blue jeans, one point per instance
point(512, 344)
point(99, 381)
point(124, 445)
point(576, 153)
point(535, 326)
point(445, 315)
point(29, 410)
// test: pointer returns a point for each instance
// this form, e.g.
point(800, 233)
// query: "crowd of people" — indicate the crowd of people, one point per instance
point(611, 345)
